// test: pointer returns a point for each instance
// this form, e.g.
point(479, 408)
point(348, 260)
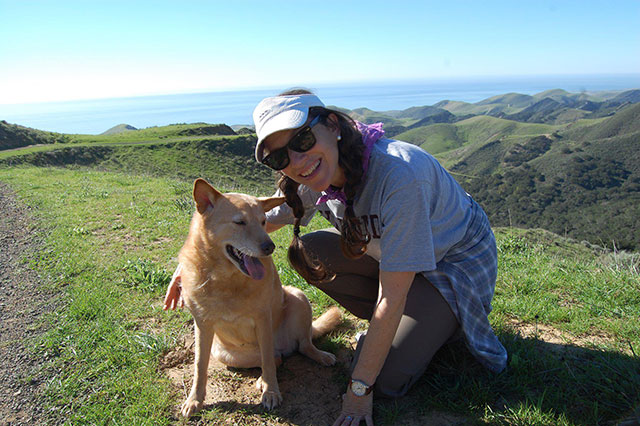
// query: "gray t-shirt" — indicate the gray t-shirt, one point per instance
point(414, 210)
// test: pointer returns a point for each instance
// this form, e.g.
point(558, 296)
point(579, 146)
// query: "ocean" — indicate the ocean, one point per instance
point(235, 107)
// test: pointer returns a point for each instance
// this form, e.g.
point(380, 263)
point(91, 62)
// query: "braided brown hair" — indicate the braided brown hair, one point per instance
point(354, 237)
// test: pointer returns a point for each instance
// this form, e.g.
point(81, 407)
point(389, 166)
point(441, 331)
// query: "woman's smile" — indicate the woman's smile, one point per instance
point(311, 169)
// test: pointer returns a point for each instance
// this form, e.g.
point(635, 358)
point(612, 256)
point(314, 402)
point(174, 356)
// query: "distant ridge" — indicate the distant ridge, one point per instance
point(512, 99)
point(120, 128)
point(15, 136)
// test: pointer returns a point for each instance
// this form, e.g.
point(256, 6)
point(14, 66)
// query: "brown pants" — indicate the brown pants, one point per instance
point(426, 325)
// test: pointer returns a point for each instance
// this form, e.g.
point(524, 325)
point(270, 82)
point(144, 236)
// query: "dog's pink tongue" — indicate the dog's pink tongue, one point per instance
point(254, 267)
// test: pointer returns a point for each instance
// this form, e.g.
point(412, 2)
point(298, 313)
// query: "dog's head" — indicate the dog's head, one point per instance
point(236, 224)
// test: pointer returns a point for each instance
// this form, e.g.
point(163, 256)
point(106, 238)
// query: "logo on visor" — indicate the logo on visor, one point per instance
point(263, 113)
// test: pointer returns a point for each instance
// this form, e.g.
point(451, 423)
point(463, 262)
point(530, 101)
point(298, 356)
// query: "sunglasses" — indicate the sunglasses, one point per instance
point(302, 141)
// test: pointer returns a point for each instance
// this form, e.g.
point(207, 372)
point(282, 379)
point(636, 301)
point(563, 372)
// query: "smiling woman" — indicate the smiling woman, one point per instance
point(436, 265)
point(417, 256)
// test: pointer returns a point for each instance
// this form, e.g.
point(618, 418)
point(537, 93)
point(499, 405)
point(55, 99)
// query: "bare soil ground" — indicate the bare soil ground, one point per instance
point(312, 393)
point(23, 302)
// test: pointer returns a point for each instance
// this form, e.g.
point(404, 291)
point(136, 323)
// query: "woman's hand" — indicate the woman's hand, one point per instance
point(173, 298)
point(355, 409)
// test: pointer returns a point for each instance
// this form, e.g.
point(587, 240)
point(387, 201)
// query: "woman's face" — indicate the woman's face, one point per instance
point(318, 167)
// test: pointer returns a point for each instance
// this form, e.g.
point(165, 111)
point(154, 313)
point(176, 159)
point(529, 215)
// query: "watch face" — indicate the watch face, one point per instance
point(358, 388)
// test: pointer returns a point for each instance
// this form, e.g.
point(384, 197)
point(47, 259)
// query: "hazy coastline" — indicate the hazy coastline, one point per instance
point(235, 107)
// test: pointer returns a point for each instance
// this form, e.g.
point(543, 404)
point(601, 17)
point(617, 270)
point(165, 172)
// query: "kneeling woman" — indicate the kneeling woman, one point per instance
point(411, 251)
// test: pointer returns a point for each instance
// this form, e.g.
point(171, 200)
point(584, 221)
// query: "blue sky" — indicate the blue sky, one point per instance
point(60, 50)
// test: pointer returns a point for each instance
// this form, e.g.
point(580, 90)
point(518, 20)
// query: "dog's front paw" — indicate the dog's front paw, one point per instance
point(191, 406)
point(271, 398)
point(326, 358)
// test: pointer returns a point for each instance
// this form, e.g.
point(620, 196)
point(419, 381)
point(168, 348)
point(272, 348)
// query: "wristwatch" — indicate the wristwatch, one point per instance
point(360, 388)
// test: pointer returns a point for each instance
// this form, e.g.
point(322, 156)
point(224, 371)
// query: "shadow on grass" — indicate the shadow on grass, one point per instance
point(544, 383)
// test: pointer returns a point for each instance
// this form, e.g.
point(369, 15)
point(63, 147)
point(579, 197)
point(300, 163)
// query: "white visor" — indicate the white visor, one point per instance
point(281, 113)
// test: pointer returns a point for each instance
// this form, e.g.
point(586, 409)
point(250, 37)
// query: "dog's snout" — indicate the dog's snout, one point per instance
point(267, 247)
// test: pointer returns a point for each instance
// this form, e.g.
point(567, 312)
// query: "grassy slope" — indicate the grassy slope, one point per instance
point(222, 159)
point(15, 136)
point(515, 99)
point(161, 132)
point(435, 138)
point(111, 239)
point(452, 143)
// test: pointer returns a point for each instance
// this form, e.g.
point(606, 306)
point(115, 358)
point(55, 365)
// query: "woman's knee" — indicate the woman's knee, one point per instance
point(324, 245)
point(394, 384)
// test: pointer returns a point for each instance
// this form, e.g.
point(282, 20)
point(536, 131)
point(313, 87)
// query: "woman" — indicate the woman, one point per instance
point(417, 256)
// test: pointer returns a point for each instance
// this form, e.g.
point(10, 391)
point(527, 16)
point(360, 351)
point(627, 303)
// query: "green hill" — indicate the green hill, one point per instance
point(182, 131)
point(15, 136)
point(626, 121)
point(471, 134)
point(549, 110)
point(435, 138)
point(225, 159)
point(368, 116)
point(584, 183)
point(120, 128)
point(516, 100)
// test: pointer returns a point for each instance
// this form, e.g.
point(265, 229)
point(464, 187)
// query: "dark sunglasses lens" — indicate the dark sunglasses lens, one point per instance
point(303, 142)
point(277, 160)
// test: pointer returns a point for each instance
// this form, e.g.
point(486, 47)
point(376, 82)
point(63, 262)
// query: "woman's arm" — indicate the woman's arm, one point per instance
point(272, 227)
point(392, 297)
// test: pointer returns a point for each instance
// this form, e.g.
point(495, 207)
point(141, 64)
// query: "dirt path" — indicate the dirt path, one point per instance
point(23, 304)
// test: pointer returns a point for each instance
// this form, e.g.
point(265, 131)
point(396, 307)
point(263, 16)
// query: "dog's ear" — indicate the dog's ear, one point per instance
point(269, 203)
point(204, 195)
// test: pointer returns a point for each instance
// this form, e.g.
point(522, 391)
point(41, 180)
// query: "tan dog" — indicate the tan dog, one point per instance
point(231, 287)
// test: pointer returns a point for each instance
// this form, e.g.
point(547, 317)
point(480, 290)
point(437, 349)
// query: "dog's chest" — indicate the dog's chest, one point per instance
point(241, 331)
point(228, 306)
point(219, 310)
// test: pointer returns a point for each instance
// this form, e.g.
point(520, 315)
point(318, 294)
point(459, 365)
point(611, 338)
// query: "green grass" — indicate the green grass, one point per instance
point(110, 244)
point(435, 138)
point(153, 133)
point(224, 160)
point(576, 294)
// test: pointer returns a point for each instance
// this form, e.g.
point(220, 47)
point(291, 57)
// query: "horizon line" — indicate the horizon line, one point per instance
point(325, 84)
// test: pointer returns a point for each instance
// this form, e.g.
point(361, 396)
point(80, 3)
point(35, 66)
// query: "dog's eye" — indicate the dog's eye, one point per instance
point(239, 222)
point(264, 222)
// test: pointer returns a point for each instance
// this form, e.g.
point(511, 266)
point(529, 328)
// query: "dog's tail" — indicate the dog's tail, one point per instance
point(326, 322)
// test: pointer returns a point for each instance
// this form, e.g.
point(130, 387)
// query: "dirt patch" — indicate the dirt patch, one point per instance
point(311, 392)
point(23, 303)
point(563, 341)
